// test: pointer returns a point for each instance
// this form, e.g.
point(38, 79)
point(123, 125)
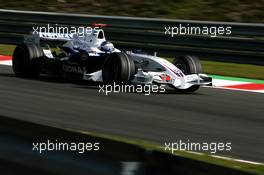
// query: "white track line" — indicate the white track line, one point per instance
point(220, 82)
point(237, 160)
point(6, 62)
point(227, 158)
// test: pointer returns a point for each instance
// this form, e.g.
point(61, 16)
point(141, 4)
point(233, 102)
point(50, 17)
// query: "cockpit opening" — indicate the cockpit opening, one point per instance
point(100, 35)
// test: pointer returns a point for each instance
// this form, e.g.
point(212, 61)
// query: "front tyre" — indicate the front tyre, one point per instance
point(189, 65)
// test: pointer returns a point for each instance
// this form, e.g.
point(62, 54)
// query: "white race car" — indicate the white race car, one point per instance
point(91, 57)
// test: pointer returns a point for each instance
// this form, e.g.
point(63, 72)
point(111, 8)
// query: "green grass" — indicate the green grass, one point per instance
point(256, 169)
point(235, 70)
point(210, 67)
point(6, 49)
point(225, 10)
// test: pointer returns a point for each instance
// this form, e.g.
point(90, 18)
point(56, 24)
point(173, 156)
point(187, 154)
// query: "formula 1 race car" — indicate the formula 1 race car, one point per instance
point(91, 57)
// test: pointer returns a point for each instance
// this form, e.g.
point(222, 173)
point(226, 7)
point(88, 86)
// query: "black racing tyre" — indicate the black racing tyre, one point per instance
point(27, 60)
point(119, 68)
point(189, 65)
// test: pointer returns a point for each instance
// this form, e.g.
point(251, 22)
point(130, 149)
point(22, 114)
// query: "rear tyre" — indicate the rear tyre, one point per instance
point(27, 60)
point(189, 65)
point(119, 68)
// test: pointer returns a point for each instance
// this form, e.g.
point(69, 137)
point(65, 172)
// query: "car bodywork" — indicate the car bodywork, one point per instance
point(83, 59)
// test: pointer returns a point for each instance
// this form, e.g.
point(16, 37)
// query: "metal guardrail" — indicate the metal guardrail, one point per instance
point(244, 45)
point(113, 157)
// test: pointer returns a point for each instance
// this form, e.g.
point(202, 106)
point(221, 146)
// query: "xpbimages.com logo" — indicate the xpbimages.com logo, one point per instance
point(187, 29)
point(58, 30)
point(55, 145)
point(131, 88)
point(212, 147)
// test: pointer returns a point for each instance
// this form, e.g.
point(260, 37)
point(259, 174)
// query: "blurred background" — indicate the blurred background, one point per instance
point(213, 10)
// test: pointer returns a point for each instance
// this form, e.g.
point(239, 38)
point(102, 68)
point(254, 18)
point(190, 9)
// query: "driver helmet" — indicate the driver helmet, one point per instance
point(107, 46)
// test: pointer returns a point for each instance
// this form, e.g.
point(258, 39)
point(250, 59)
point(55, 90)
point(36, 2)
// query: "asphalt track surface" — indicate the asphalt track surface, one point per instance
point(210, 115)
